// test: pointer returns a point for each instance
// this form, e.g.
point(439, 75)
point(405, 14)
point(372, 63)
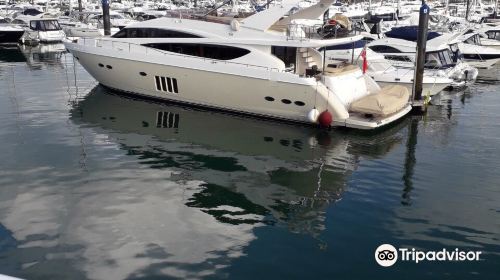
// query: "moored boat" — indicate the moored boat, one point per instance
point(242, 67)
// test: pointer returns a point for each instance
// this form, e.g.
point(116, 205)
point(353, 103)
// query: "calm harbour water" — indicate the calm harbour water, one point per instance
point(98, 186)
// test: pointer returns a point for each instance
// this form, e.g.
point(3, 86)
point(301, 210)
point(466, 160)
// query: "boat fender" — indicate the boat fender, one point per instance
point(325, 119)
point(235, 25)
point(312, 116)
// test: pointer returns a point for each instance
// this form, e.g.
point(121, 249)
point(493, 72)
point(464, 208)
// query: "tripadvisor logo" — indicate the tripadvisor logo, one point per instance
point(387, 255)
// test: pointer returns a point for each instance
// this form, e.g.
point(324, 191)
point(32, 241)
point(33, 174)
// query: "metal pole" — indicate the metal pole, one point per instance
point(352, 54)
point(420, 55)
point(495, 10)
point(398, 10)
point(467, 11)
point(105, 17)
point(80, 9)
point(324, 60)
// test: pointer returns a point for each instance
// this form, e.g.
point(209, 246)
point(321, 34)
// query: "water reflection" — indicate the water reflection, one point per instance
point(223, 177)
point(301, 167)
point(122, 188)
point(11, 53)
point(44, 56)
point(410, 161)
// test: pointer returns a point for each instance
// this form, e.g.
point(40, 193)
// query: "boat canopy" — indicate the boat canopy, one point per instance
point(409, 33)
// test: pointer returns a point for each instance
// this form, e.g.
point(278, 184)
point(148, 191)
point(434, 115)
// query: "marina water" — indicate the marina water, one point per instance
point(95, 185)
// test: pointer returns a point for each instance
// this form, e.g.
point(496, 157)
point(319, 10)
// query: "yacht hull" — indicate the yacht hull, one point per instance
point(223, 85)
point(427, 89)
point(487, 69)
point(10, 37)
point(489, 74)
point(202, 88)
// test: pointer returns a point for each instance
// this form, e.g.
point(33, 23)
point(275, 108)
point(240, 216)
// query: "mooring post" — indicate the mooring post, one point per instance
point(105, 17)
point(467, 10)
point(80, 10)
point(420, 58)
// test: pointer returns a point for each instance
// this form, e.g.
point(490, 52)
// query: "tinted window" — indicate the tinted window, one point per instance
point(473, 40)
point(208, 51)
point(152, 33)
point(384, 49)
point(398, 58)
point(438, 59)
point(286, 54)
point(493, 35)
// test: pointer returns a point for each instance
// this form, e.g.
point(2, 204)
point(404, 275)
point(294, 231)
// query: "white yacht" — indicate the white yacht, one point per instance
point(242, 67)
point(43, 30)
point(486, 59)
point(490, 35)
point(382, 71)
point(116, 19)
point(439, 58)
point(74, 28)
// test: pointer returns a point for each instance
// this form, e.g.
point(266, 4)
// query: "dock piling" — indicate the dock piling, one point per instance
point(420, 55)
point(105, 17)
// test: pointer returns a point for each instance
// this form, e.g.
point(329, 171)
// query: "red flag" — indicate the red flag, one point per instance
point(365, 62)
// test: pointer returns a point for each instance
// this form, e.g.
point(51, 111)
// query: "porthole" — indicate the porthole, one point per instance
point(286, 101)
point(269, 98)
point(299, 103)
point(143, 73)
point(109, 66)
point(268, 139)
point(101, 65)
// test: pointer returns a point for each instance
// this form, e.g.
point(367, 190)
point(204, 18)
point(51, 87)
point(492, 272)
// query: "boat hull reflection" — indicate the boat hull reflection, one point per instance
point(229, 175)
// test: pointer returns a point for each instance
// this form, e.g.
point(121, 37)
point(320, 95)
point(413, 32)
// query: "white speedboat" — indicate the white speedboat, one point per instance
point(439, 58)
point(490, 36)
point(73, 28)
point(116, 19)
point(382, 71)
point(243, 67)
point(43, 30)
point(485, 59)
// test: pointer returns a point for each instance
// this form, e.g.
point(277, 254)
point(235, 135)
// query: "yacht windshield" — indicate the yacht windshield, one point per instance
point(45, 25)
point(493, 35)
point(378, 65)
point(474, 40)
point(438, 59)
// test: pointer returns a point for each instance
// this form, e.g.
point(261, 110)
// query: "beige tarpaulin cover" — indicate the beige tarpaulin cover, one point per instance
point(343, 20)
point(388, 100)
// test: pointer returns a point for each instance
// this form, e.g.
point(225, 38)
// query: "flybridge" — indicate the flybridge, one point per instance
point(276, 15)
